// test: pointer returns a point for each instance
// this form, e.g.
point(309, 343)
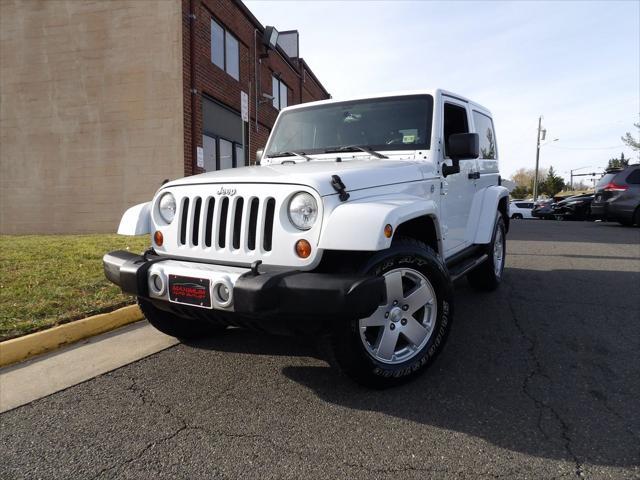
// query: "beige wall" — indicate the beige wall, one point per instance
point(91, 117)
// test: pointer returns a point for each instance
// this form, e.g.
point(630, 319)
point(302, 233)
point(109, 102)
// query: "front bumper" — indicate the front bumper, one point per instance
point(290, 292)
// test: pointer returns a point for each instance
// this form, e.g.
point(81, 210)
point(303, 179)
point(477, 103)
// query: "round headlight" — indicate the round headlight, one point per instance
point(167, 207)
point(303, 211)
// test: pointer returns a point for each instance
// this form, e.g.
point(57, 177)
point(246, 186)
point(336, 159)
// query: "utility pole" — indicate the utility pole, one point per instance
point(571, 171)
point(535, 178)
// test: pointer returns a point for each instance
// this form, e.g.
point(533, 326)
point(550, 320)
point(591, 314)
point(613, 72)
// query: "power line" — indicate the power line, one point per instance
point(588, 148)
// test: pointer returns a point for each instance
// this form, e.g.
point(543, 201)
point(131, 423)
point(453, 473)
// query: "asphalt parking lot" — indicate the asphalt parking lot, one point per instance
point(540, 379)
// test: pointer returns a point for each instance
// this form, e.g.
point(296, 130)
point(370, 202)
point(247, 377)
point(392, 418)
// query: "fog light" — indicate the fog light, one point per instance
point(223, 292)
point(156, 283)
point(388, 230)
point(158, 238)
point(303, 248)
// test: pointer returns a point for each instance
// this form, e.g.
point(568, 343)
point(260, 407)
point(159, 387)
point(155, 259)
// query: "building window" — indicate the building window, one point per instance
point(217, 44)
point(232, 54)
point(220, 153)
point(280, 91)
point(222, 137)
point(225, 51)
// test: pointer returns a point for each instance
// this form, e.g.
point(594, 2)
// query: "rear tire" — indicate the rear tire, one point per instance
point(399, 340)
point(176, 326)
point(517, 216)
point(488, 276)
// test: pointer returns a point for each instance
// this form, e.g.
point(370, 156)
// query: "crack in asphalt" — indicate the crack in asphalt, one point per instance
point(166, 410)
point(278, 445)
point(538, 371)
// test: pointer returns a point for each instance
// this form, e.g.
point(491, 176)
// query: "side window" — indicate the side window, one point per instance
point(455, 121)
point(484, 129)
point(634, 177)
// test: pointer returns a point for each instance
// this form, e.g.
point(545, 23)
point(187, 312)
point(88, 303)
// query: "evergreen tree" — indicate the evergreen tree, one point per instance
point(621, 162)
point(552, 184)
point(630, 140)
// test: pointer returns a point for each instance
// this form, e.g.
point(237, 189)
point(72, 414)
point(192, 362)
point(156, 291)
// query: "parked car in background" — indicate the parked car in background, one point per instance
point(544, 209)
point(577, 207)
point(618, 196)
point(519, 209)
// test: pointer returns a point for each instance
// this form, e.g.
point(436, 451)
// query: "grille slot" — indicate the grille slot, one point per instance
point(227, 223)
point(237, 223)
point(208, 227)
point(253, 222)
point(183, 224)
point(195, 231)
point(268, 224)
point(222, 226)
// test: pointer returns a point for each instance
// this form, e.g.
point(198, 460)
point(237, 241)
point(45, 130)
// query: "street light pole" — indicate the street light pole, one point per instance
point(535, 177)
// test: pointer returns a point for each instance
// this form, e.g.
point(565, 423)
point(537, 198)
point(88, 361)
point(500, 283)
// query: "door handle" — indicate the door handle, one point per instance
point(474, 175)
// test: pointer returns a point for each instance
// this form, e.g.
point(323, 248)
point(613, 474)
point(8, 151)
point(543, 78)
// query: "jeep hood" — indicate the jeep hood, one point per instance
point(355, 174)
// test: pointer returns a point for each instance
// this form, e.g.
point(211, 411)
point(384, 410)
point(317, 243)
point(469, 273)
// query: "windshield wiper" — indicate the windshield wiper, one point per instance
point(290, 154)
point(352, 148)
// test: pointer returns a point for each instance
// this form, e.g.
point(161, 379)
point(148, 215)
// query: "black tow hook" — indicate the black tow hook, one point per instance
point(254, 267)
point(338, 186)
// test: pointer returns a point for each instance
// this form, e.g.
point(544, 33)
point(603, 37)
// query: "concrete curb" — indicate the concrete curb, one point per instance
point(21, 348)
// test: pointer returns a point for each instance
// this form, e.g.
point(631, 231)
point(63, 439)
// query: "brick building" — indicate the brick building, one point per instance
point(102, 101)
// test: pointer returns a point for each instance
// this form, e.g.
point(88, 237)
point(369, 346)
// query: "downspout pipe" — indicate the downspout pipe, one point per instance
point(192, 86)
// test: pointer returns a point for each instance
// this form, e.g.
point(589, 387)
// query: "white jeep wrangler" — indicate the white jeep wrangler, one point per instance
point(353, 228)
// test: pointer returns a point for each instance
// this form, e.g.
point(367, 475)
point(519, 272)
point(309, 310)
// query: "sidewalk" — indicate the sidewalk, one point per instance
point(37, 378)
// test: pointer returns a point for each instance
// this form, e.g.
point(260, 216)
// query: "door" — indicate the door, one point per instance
point(459, 188)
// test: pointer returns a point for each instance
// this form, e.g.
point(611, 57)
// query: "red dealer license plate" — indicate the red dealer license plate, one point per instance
point(190, 290)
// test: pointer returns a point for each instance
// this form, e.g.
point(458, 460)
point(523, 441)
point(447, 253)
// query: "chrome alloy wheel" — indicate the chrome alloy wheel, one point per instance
point(399, 329)
point(498, 253)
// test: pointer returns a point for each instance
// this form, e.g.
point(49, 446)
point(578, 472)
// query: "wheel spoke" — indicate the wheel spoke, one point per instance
point(376, 319)
point(419, 298)
point(414, 331)
point(387, 343)
point(393, 283)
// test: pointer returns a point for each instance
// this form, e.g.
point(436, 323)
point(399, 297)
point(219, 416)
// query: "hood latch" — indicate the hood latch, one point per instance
point(338, 186)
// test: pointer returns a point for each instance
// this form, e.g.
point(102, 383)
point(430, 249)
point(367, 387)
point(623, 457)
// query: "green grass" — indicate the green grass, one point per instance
point(47, 280)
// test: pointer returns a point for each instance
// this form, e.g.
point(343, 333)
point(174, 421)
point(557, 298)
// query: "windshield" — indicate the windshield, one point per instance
point(395, 123)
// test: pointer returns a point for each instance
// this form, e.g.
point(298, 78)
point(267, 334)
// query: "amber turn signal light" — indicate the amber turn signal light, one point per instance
point(158, 238)
point(303, 248)
point(388, 230)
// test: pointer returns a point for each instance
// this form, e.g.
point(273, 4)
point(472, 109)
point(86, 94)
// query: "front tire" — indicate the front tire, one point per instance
point(408, 330)
point(176, 326)
point(488, 276)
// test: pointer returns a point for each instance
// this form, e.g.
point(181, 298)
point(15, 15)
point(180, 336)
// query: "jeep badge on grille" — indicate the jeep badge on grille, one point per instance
point(226, 191)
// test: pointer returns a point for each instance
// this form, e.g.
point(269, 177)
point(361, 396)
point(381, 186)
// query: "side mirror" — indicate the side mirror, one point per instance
point(259, 154)
point(462, 146)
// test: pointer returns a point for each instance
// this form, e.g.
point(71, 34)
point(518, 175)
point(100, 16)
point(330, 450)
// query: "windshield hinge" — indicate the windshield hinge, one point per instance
point(338, 186)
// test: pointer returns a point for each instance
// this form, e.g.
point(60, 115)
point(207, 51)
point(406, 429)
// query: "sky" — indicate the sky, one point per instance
point(575, 63)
